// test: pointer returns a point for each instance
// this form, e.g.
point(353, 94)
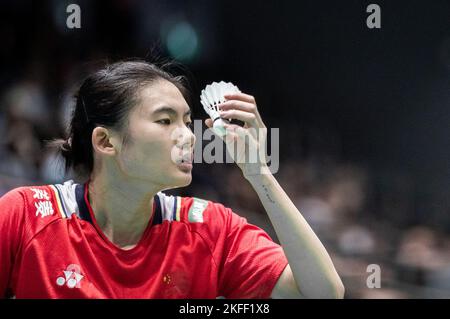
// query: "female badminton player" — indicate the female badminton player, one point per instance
point(117, 235)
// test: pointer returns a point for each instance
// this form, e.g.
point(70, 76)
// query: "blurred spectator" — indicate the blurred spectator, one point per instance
point(27, 101)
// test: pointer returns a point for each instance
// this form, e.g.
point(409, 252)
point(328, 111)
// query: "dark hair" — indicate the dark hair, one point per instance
point(105, 98)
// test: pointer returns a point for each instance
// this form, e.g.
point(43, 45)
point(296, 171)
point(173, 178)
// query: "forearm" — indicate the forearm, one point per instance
point(311, 265)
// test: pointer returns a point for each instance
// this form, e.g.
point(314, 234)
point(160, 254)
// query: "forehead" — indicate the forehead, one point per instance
point(159, 93)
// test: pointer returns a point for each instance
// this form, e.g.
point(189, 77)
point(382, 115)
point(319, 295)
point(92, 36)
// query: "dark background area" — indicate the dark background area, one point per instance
point(362, 112)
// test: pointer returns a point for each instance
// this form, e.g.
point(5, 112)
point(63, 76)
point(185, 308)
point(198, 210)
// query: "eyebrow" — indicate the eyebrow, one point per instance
point(171, 111)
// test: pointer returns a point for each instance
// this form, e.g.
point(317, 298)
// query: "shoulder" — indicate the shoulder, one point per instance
point(192, 210)
point(199, 211)
point(212, 220)
point(32, 207)
point(15, 201)
point(12, 206)
point(40, 199)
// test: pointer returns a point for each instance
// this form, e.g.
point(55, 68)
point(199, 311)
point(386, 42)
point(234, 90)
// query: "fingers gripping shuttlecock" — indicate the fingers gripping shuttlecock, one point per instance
point(213, 95)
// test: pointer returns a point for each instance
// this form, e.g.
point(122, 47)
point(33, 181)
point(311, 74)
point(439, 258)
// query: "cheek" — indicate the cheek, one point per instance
point(149, 154)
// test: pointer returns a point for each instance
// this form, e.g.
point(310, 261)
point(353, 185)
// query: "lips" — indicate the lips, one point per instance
point(185, 163)
point(185, 156)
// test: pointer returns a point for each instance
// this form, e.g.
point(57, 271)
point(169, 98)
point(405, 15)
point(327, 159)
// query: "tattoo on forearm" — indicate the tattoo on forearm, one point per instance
point(267, 193)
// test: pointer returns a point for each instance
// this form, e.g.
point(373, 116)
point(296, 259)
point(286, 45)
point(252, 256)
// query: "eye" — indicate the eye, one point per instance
point(164, 121)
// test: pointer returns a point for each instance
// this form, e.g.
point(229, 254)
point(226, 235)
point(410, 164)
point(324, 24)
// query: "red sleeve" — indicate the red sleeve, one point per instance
point(11, 213)
point(251, 262)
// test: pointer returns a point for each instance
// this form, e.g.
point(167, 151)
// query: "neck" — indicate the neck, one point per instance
point(122, 208)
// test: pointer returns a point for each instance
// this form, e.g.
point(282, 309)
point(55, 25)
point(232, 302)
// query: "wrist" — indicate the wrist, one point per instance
point(257, 174)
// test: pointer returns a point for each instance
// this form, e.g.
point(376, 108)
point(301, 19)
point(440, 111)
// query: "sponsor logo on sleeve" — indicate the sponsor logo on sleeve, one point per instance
point(42, 203)
point(196, 210)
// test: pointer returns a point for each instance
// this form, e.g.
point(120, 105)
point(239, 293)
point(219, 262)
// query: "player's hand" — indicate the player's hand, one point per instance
point(246, 144)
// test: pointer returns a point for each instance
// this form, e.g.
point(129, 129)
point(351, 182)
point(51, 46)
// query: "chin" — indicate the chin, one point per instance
point(185, 181)
point(181, 180)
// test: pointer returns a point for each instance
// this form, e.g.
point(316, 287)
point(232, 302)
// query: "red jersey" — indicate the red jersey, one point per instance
point(52, 247)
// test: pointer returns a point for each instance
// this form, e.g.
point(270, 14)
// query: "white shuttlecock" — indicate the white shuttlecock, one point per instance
point(213, 95)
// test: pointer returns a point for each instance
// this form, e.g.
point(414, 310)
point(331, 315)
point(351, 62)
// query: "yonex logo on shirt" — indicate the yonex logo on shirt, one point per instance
point(72, 277)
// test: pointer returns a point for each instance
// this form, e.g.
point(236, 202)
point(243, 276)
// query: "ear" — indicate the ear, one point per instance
point(104, 141)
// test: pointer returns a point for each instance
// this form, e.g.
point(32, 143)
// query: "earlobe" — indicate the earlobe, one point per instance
point(103, 142)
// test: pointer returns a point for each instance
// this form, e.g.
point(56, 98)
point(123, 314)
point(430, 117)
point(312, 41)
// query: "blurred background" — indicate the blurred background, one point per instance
point(364, 114)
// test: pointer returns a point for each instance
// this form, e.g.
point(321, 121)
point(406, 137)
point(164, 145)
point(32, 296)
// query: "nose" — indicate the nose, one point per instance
point(183, 137)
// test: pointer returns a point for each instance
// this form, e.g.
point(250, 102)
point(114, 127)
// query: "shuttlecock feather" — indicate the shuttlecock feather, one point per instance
point(211, 97)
